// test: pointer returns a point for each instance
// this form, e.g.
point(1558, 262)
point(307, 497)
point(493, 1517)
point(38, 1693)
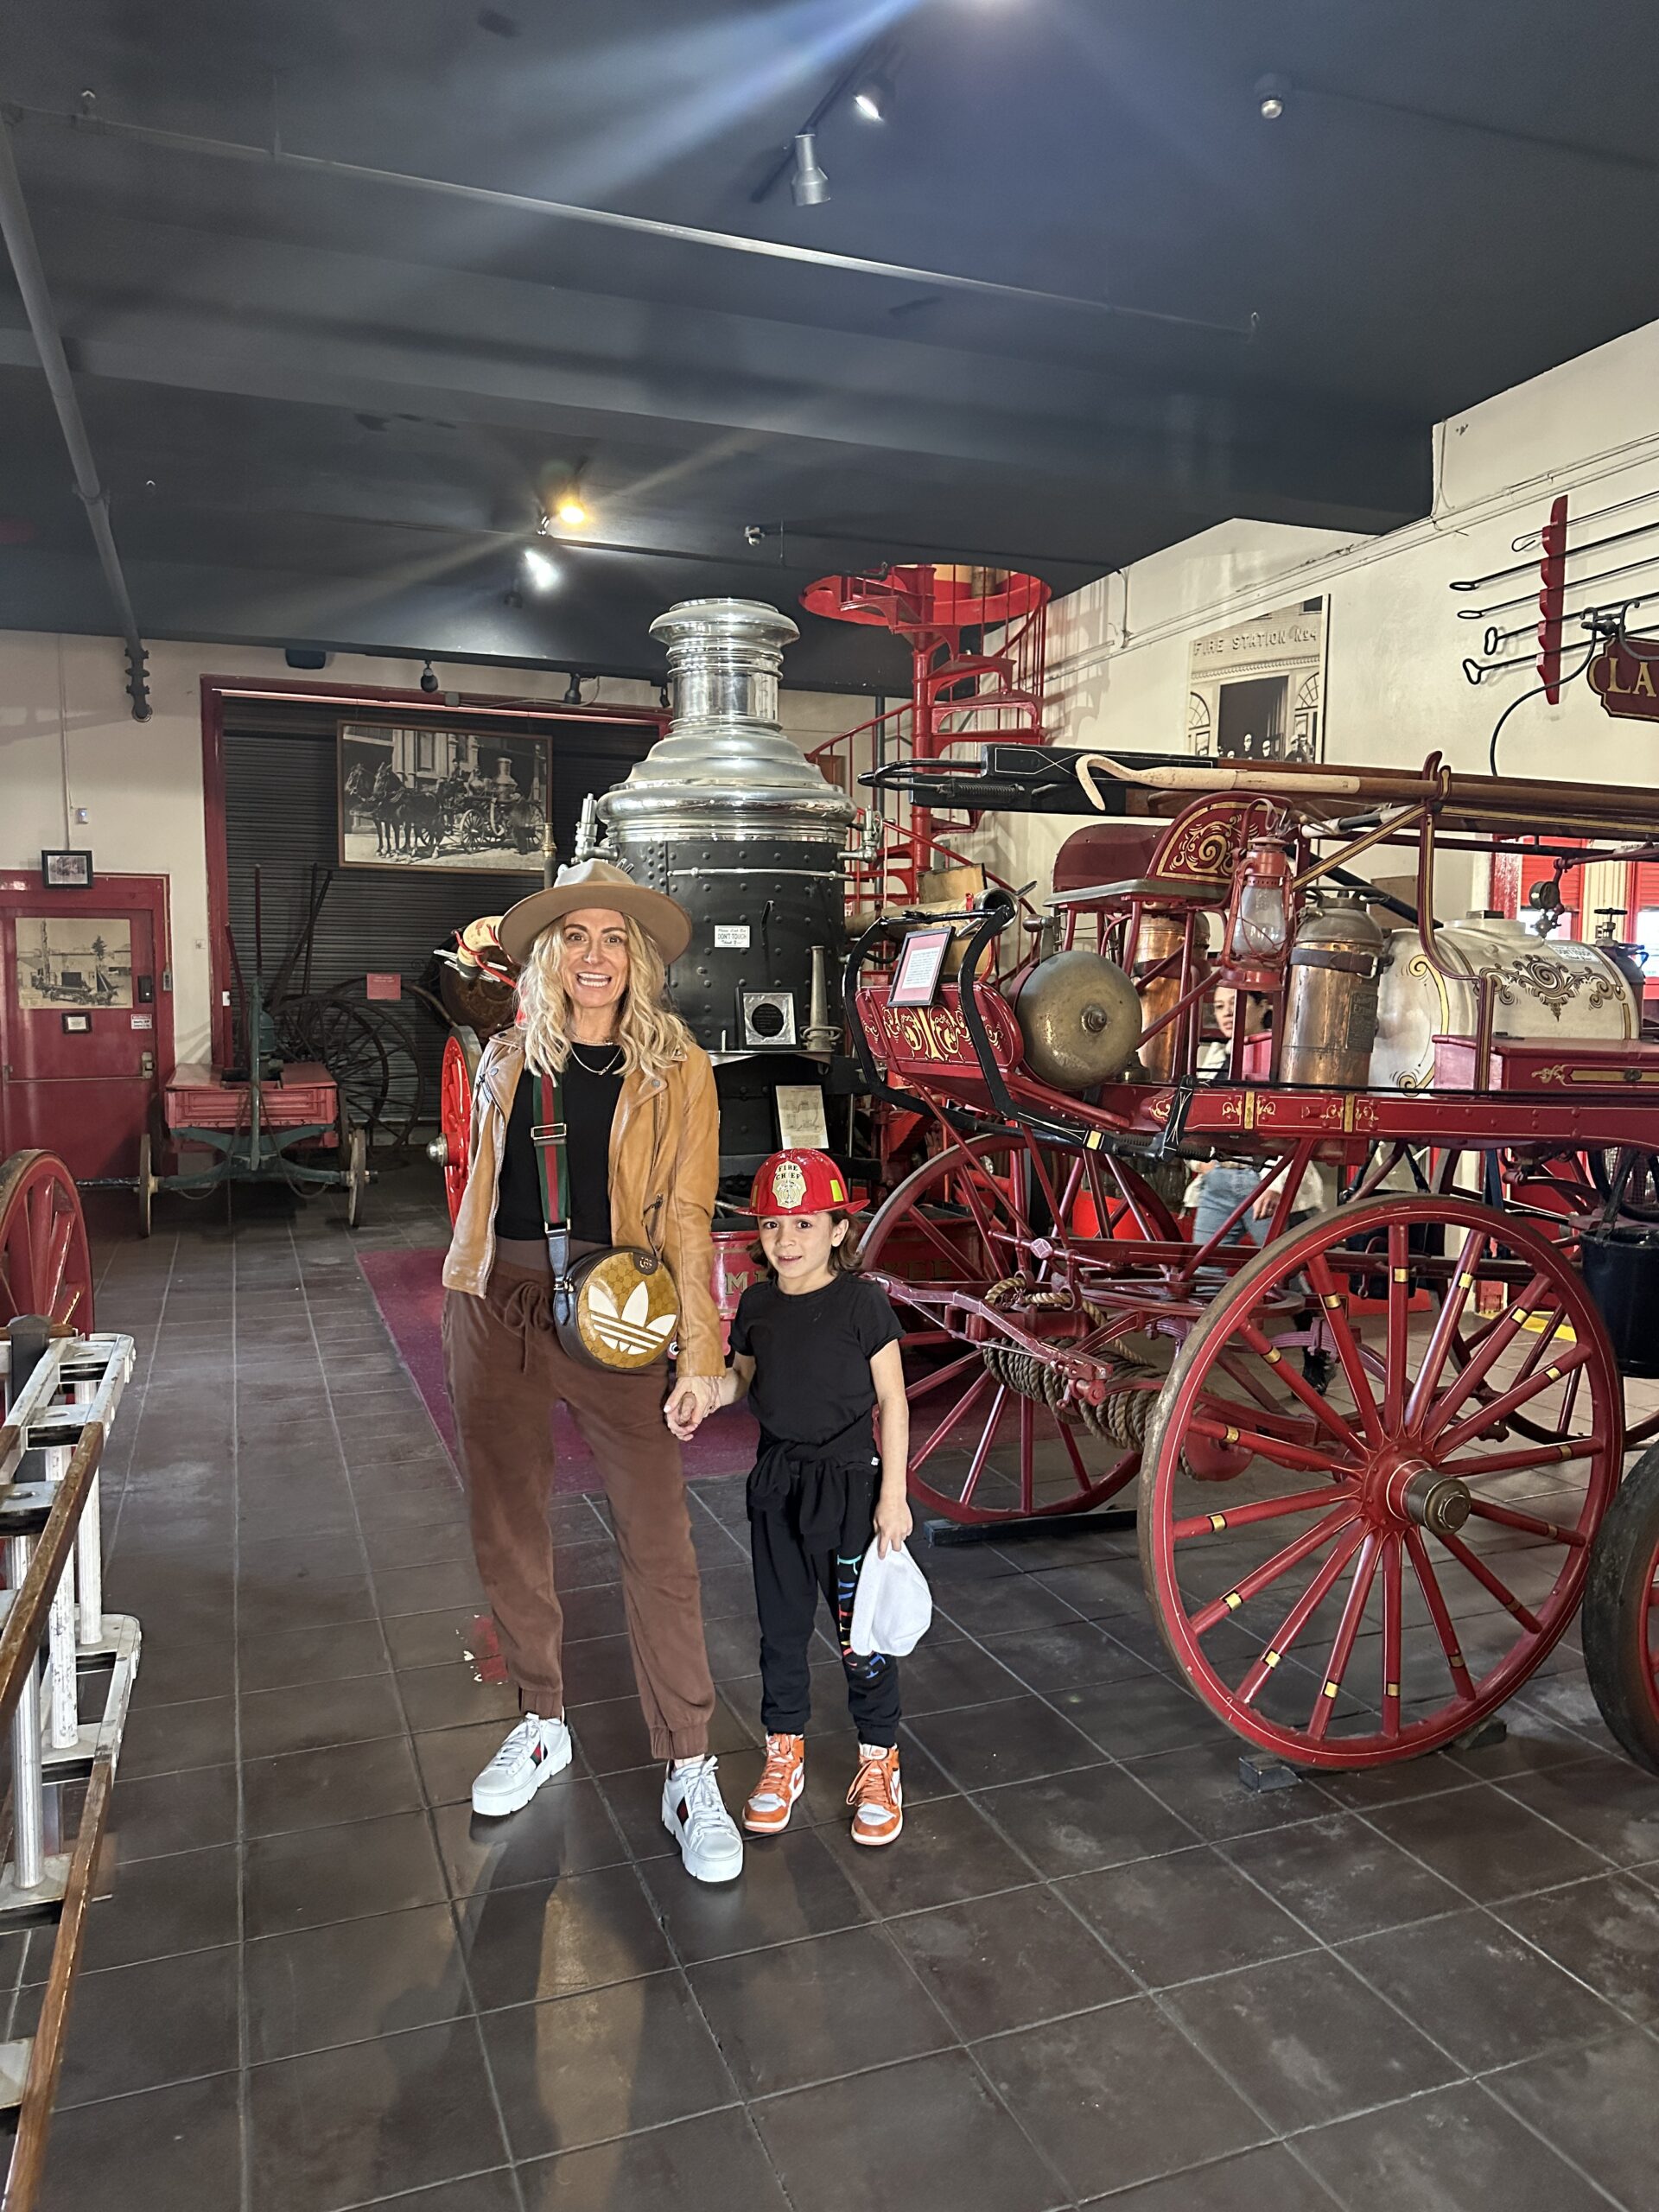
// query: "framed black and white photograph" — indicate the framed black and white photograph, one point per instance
point(66, 871)
point(471, 800)
point(1255, 692)
point(71, 960)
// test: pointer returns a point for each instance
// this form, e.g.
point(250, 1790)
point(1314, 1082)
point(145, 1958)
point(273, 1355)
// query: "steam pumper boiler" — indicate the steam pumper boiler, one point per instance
point(728, 817)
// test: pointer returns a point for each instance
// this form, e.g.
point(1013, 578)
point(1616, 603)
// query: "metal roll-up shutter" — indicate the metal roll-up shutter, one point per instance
point(281, 818)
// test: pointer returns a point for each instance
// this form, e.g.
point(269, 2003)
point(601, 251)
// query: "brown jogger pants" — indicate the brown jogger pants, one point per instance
point(506, 1370)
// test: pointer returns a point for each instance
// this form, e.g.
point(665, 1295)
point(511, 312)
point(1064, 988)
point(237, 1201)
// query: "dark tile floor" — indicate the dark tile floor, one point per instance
point(1095, 1967)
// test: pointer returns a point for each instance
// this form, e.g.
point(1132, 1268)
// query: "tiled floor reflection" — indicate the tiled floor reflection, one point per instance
point(1095, 1968)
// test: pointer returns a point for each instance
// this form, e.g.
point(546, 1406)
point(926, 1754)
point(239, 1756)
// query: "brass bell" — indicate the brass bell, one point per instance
point(1080, 1020)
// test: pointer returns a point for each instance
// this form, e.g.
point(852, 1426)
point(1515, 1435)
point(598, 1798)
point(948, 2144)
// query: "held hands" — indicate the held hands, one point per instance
point(690, 1402)
point(892, 1523)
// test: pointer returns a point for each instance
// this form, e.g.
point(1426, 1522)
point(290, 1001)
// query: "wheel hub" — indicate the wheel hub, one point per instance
point(1409, 1489)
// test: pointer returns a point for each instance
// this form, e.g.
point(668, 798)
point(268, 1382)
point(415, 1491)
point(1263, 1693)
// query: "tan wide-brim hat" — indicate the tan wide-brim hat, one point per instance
point(595, 883)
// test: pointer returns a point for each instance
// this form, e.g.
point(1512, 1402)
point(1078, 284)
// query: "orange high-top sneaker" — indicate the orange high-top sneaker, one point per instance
point(782, 1780)
point(877, 1796)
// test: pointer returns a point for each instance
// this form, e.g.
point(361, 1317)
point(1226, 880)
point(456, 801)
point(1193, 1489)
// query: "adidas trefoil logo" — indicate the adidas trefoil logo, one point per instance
point(632, 1330)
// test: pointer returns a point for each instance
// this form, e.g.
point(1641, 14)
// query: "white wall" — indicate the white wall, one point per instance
point(67, 740)
point(1394, 688)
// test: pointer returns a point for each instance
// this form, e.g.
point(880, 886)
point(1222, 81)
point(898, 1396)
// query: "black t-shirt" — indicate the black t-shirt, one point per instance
point(812, 1352)
point(588, 1103)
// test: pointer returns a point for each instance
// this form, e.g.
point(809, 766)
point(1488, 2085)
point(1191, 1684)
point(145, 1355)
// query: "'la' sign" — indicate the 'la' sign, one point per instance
point(1626, 675)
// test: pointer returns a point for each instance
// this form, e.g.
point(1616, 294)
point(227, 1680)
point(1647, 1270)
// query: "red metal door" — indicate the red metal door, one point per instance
point(86, 1018)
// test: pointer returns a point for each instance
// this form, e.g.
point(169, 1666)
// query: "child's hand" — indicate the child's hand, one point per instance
point(689, 1404)
point(893, 1524)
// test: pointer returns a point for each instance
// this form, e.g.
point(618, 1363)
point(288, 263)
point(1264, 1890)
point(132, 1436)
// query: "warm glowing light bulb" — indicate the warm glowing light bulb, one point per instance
point(570, 511)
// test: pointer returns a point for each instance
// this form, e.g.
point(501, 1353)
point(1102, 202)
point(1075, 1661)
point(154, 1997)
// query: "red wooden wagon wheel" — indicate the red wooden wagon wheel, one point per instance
point(1621, 1614)
point(1396, 1561)
point(45, 1265)
point(461, 1054)
point(972, 1217)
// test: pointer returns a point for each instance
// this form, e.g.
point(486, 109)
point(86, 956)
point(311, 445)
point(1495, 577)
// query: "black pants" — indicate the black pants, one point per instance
point(789, 1577)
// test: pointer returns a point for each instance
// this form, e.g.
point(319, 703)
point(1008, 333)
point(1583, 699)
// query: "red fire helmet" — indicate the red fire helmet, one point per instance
point(800, 1182)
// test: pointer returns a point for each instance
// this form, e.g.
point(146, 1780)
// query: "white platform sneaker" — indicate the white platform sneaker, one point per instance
point(535, 1752)
point(695, 1814)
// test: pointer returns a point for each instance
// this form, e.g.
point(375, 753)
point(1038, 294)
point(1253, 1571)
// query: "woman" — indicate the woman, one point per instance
point(637, 1099)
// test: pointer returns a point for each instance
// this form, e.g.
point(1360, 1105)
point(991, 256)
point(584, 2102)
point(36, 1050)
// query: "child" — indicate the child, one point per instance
point(817, 1347)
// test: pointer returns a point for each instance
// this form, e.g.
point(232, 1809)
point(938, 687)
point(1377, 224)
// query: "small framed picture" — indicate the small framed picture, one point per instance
point(66, 871)
point(916, 979)
point(801, 1122)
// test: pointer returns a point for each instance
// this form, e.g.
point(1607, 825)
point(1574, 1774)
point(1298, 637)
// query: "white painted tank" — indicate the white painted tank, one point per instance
point(1545, 988)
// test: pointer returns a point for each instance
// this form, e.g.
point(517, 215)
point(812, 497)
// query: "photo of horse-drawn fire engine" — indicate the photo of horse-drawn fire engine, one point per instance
point(440, 799)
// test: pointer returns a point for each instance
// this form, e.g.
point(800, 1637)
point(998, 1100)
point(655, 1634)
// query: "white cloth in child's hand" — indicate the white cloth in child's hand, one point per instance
point(892, 1605)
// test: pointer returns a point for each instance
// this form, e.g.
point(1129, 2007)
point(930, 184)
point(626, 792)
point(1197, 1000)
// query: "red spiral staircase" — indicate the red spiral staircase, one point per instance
point(978, 646)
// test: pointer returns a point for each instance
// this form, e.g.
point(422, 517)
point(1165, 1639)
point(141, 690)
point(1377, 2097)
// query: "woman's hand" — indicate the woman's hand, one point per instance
point(892, 1523)
point(690, 1402)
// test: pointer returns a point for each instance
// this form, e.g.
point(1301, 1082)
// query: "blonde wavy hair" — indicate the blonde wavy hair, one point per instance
point(651, 1035)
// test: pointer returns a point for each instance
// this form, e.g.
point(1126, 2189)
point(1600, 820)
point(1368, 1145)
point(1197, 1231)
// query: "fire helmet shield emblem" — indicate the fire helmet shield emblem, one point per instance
point(788, 1185)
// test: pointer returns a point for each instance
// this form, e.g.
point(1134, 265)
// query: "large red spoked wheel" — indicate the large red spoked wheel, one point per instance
point(45, 1265)
point(461, 1057)
point(1621, 1614)
point(979, 1218)
point(1396, 1560)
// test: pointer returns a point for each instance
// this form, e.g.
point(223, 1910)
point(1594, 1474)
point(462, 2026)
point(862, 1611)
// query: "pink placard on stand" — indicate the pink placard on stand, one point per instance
point(383, 987)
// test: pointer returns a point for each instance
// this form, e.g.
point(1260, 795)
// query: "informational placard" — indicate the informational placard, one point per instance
point(731, 937)
point(379, 986)
point(916, 979)
point(801, 1124)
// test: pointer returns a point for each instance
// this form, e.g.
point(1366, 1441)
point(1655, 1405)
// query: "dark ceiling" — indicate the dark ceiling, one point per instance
point(327, 399)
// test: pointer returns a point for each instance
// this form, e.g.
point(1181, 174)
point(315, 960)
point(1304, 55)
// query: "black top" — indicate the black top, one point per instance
point(812, 1352)
point(588, 1103)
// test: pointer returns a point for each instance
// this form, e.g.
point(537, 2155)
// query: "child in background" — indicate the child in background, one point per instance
point(816, 1346)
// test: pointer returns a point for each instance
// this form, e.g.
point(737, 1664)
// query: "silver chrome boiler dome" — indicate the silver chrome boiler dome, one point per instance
point(725, 769)
point(731, 819)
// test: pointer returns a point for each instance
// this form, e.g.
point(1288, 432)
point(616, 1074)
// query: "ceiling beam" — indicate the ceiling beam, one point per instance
point(273, 320)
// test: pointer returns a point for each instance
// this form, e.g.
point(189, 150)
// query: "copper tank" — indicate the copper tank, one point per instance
point(1331, 998)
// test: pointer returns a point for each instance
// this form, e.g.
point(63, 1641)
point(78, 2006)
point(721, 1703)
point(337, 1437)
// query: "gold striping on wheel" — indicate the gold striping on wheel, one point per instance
point(1332, 1689)
point(1217, 1522)
point(1270, 1658)
point(1232, 1601)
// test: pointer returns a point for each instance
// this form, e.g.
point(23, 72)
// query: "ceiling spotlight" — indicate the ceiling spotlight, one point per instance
point(1271, 94)
point(540, 570)
point(808, 187)
point(873, 99)
point(429, 680)
point(573, 690)
point(570, 509)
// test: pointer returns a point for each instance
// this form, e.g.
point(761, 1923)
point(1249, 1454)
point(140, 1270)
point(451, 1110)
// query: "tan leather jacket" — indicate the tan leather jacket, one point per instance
point(664, 1171)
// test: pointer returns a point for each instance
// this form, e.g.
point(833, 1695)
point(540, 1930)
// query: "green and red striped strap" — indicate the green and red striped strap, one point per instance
point(552, 1167)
